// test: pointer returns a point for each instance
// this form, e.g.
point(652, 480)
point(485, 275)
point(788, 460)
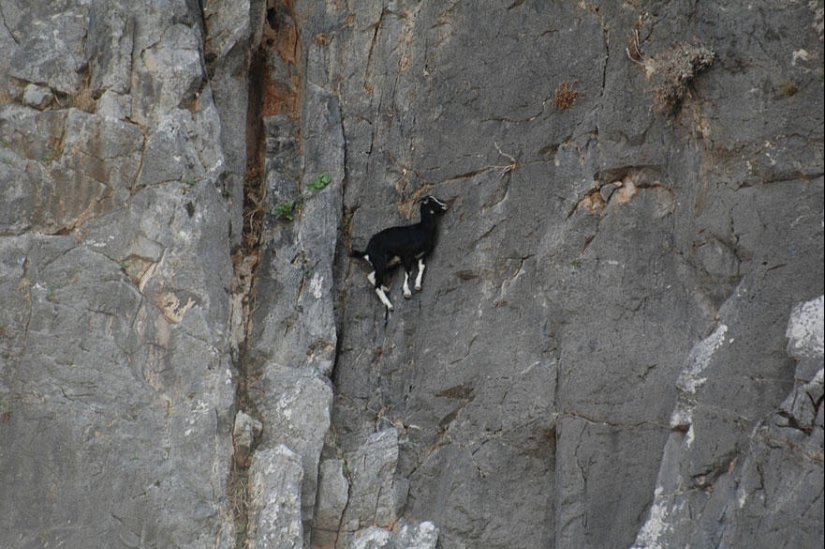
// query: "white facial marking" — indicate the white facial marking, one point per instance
point(437, 201)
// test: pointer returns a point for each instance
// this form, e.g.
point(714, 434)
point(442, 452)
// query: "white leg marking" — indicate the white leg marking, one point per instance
point(420, 275)
point(407, 292)
point(383, 298)
point(371, 278)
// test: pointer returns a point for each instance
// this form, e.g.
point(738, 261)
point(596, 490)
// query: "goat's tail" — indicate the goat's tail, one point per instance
point(357, 254)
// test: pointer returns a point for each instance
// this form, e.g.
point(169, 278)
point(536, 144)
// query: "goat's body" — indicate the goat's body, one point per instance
point(402, 245)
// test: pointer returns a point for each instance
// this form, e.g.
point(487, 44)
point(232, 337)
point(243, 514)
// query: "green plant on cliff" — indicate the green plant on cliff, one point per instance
point(285, 210)
point(319, 182)
point(288, 208)
point(52, 154)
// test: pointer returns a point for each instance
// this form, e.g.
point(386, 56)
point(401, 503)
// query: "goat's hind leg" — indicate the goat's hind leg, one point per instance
point(379, 291)
point(378, 283)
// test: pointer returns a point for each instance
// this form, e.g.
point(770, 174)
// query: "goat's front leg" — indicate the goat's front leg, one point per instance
point(408, 267)
point(420, 274)
point(407, 292)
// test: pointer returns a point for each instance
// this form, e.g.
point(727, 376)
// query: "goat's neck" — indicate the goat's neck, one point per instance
point(428, 223)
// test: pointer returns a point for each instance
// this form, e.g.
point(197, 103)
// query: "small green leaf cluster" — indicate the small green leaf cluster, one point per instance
point(287, 209)
point(319, 182)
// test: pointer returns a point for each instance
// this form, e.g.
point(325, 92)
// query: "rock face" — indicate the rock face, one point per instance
point(116, 378)
point(618, 342)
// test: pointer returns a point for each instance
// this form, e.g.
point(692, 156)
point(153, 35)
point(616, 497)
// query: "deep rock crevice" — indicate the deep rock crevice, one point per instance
point(266, 98)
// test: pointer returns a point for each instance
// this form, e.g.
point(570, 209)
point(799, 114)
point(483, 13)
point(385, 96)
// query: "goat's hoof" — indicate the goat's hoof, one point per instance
point(418, 288)
point(407, 296)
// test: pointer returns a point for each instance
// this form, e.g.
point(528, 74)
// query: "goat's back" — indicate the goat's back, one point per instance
point(400, 241)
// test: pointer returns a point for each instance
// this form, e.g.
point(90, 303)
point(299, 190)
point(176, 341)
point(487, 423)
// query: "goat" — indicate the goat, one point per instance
point(403, 245)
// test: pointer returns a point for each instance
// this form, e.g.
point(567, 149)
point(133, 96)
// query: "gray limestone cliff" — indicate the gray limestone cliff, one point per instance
point(618, 342)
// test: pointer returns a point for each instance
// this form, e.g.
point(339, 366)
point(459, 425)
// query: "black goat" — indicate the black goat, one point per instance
point(402, 245)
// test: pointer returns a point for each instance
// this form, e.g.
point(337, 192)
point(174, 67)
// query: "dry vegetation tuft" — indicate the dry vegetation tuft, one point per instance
point(565, 95)
point(673, 71)
point(5, 97)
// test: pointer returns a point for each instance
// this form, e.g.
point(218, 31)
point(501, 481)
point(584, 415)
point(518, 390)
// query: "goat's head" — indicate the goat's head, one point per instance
point(432, 206)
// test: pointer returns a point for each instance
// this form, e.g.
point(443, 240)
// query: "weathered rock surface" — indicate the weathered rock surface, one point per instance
point(618, 342)
point(244, 434)
point(115, 378)
point(424, 536)
point(374, 495)
point(594, 238)
point(275, 513)
point(782, 462)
